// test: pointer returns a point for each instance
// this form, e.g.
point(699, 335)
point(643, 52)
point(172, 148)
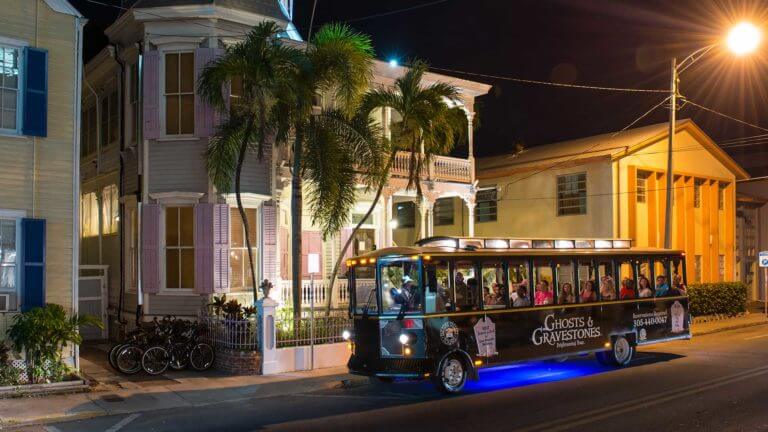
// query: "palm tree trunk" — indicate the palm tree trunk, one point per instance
point(332, 280)
point(296, 214)
point(243, 216)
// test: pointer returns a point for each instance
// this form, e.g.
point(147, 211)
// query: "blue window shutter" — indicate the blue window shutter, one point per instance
point(35, 121)
point(33, 263)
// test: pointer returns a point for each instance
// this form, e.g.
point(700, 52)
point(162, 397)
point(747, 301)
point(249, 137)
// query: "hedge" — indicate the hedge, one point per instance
point(718, 298)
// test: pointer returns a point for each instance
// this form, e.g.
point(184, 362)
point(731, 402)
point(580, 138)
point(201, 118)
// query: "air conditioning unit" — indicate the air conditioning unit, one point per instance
point(5, 300)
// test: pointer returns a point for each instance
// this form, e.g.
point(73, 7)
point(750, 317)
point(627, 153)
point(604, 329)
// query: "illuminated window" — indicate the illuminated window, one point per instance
point(8, 255)
point(572, 194)
point(180, 93)
point(239, 269)
point(486, 205)
point(443, 211)
point(405, 212)
point(642, 186)
point(89, 215)
point(110, 209)
point(179, 248)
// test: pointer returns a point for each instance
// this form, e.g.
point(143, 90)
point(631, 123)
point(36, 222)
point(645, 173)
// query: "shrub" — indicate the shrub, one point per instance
point(718, 298)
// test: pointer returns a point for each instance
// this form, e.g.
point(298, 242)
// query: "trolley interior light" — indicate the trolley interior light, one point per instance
point(603, 244)
point(564, 244)
point(496, 244)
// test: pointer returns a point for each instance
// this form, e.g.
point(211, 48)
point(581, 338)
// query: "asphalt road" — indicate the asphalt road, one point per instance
point(717, 382)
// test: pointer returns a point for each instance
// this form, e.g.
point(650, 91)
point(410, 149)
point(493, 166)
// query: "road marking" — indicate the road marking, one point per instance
point(51, 429)
point(393, 397)
point(756, 337)
point(121, 424)
point(592, 416)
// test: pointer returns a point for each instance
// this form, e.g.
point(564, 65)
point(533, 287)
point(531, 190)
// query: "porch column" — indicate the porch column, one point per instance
point(471, 151)
point(428, 203)
point(423, 211)
point(470, 201)
point(386, 196)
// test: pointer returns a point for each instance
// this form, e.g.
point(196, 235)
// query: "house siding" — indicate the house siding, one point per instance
point(179, 305)
point(177, 166)
point(256, 173)
point(36, 174)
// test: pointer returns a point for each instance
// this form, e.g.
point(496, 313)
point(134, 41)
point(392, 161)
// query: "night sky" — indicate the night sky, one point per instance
point(615, 43)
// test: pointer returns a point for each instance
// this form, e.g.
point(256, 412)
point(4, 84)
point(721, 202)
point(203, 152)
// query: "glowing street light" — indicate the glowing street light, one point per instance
point(744, 38)
point(393, 63)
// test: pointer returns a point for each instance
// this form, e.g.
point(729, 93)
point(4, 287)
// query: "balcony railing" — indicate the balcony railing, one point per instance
point(440, 168)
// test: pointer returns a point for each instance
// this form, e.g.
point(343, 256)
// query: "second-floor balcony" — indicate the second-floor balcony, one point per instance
point(440, 168)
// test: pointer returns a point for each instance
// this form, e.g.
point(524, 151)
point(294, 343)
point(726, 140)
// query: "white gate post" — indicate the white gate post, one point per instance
point(268, 336)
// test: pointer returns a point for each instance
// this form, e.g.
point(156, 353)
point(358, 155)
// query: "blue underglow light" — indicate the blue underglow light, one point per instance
point(529, 373)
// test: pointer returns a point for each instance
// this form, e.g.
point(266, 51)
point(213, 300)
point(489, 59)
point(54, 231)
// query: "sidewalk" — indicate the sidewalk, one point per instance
point(117, 394)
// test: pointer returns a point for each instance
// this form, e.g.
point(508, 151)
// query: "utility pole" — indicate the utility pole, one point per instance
point(670, 144)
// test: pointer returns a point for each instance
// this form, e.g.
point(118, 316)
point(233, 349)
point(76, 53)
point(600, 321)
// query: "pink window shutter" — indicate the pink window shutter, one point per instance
point(285, 257)
point(206, 118)
point(311, 242)
point(269, 227)
point(346, 233)
point(150, 248)
point(203, 233)
point(221, 248)
point(151, 97)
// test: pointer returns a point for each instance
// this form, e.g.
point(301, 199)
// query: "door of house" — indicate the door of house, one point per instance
point(92, 298)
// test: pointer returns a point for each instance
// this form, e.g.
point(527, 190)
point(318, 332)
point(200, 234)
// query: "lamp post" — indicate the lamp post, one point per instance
point(743, 39)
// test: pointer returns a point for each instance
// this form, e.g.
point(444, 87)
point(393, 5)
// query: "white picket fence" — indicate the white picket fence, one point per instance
point(340, 299)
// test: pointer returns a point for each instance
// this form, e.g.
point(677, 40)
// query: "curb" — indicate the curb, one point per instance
point(52, 419)
point(731, 327)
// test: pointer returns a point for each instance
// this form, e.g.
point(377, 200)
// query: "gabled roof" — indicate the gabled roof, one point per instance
point(270, 8)
point(612, 145)
point(63, 6)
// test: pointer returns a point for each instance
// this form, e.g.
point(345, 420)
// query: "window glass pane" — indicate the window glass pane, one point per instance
point(92, 129)
point(443, 211)
point(113, 118)
point(172, 73)
point(9, 119)
point(172, 268)
point(365, 289)
point(676, 267)
point(495, 285)
point(644, 286)
point(187, 125)
point(172, 115)
point(587, 286)
point(519, 284)
point(607, 281)
point(187, 268)
point(405, 212)
point(8, 276)
point(236, 262)
point(627, 277)
point(172, 226)
point(236, 238)
point(187, 80)
point(572, 194)
point(9, 99)
point(542, 272)
point(566, 294)
point(187, 235)
point(400, 286)
point(439, 297)
point(7, 241)
point(486, 206)
point(661, 275)
point(466, 287)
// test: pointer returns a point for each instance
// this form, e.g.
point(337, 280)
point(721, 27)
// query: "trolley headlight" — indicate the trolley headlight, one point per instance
point(404, 339)
point(346, 335)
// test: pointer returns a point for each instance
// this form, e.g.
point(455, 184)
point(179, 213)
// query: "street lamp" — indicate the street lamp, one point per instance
point(744, 38)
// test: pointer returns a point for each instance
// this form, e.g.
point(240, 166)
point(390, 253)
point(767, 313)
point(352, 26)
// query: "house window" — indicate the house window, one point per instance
point(110, 209)
point(180, 93)
point(89, 215)
point(697, 268)
point(10, 99)
point(405, 212)
point(235, 93)
point(485, 208)
point(88, 132)
point(133, 95)
point(721, 196)
point(572, 194)
point(8, 255)
point(240, 270)
point(179, 248)
point(357, 217)
point(443, 211)
point(109, 119)
point(642, 186)
point(721, 267)
point(697, 193)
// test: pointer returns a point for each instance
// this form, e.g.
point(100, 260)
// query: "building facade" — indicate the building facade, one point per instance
point(149, 209)
point(751, 234)
point(614, 186)
point(40, 52)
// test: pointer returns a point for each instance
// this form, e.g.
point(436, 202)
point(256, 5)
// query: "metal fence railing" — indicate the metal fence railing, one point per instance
point(327, 329)
point(232, 334)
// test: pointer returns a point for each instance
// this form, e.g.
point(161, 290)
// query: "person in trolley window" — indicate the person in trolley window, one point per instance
point(544, 295)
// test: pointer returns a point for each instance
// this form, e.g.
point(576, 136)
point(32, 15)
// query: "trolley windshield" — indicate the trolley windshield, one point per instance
point(391, 286)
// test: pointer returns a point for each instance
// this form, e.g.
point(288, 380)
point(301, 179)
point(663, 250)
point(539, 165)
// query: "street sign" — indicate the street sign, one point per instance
point(762, 258)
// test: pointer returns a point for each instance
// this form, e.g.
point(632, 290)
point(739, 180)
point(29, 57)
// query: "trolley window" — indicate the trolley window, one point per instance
point(607, 280)
point(587, 276)
point(519, 291)
point(677, 270)
point(661, 277)
point(627, 280)
point(439, 297)
point(495, 285)
point(365, 289)
point(543, 294)
point(565, 293)
point(466, 287)
point(400, 286)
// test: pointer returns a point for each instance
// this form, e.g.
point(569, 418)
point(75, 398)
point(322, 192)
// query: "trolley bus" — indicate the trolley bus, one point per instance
point(447, 307)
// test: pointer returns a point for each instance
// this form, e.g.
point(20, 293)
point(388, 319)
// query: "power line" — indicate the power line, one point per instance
point(726, 116)
point(549, 83)
point(396, 11)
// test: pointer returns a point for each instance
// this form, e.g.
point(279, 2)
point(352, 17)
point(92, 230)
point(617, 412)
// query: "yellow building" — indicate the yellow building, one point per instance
point(40, 52)
point(614, 185)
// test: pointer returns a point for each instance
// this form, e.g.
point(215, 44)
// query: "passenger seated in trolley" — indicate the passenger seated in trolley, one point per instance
point(627, 289)
point(522, 299)
point(566, 295)
point(544, 295)
point(607, 288)
point(588, 292)
point(662, 288)
point(407, 296)
point(644, 287)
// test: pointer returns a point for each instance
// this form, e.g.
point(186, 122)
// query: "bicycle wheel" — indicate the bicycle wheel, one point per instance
point(128, 359)
point(112, 355)
point(179, 356)
point(155, 360)
point(201, 357)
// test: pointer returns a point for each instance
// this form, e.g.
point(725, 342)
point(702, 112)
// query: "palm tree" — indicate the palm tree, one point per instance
point(431, 124)
point(261, 62)
point(338, 64)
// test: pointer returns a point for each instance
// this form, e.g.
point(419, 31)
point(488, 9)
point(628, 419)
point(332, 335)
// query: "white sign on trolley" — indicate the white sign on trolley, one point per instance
point(485, 334)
